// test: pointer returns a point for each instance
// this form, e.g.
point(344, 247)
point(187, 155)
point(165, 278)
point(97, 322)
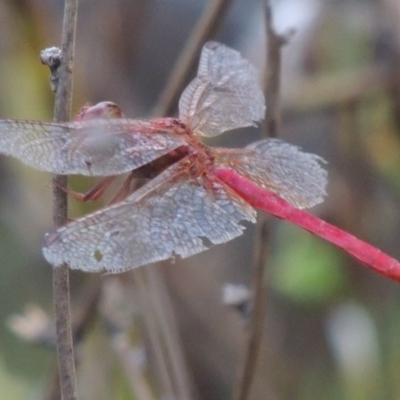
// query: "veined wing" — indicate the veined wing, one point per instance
point(97, 147)
point(174, 214)
point(225, 94)
point(280, 167)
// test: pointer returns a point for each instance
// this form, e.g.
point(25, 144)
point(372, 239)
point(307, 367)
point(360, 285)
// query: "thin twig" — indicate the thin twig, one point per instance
point(168, 340)
point(62, 112)
point(273, 79)
point(163, 310)
point(257, 314)
point(258, 284)
point(164, 378)
point(203, 31)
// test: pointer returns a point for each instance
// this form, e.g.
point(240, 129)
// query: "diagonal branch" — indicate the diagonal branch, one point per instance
point(205, 28)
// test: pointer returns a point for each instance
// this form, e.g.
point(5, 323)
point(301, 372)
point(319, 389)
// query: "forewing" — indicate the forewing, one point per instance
point(98, 147)
point(172, 215)
point(225, 94)
point(284, 169)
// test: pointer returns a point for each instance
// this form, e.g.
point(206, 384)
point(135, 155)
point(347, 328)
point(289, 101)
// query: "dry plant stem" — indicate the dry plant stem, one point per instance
point(166, 335)
point(167, 324)
point(258, 284)
point(272, 81)
point(152, 333)
point(62, 111)
point(203, 31)
point(81, 324)
point(257, 315)
point(154, 330)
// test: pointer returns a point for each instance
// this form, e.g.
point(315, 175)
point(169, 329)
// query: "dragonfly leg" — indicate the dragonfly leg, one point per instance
point(93, 194)
point(124, 190)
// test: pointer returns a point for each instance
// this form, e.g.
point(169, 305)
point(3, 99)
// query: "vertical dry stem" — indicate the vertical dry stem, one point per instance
point(62, 111)
point(258, 309)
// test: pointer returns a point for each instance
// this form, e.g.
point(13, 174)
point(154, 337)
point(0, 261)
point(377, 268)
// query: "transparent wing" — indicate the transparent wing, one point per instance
point(225, 94)
point(97, 147)
point(173, 214)
point(280, 167)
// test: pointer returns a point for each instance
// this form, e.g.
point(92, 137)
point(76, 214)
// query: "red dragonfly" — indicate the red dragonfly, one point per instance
point(200, 195)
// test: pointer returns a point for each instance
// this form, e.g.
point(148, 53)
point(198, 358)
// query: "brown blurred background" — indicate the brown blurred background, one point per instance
point(332, 327)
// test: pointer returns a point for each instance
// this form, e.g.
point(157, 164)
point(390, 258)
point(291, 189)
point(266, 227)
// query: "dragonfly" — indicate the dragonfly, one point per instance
point(198, 196)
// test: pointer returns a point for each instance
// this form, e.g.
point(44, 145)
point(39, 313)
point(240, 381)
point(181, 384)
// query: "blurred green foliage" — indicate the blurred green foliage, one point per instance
point(306, 270)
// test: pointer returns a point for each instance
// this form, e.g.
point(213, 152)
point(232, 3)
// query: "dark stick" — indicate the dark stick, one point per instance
point(62, 112)
point(203, 31)
point(258, 284)
point(257, 313)
point(273, 79)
